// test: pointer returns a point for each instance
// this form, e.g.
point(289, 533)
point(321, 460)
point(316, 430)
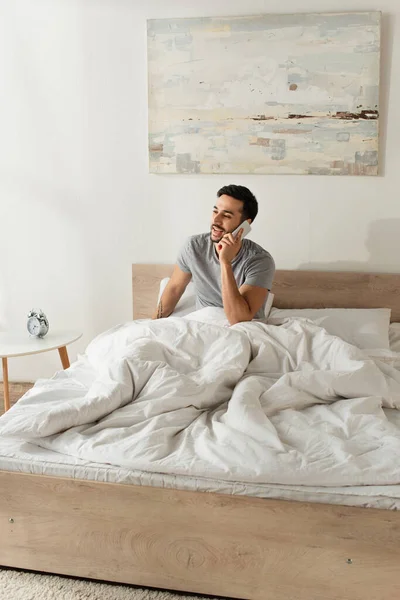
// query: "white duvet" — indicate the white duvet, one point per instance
point(285, 404)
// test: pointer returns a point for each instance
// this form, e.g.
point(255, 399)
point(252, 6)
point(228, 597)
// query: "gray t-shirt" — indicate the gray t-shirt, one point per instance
point(252, 265)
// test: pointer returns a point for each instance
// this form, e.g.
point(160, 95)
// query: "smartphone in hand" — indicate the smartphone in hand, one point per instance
point(246, 229)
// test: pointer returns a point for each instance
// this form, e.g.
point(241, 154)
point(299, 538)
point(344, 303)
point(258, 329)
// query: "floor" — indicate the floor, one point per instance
point(16, 391)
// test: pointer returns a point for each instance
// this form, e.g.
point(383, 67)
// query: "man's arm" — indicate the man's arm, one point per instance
point(172, 293)
point(240, 304)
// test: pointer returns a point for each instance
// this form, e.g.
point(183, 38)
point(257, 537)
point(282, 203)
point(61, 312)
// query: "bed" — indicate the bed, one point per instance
point(210, 543)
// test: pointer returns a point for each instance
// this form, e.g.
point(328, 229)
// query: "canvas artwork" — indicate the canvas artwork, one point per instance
point(265, 94)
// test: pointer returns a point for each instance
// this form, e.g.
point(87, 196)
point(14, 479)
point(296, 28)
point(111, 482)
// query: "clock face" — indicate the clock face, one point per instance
point(38, 324)
point(33, 326)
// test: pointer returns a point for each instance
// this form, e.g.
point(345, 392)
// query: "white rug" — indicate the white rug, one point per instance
point(21, 585)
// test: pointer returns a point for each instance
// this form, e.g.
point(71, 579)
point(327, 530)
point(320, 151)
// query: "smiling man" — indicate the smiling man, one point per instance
point(227, 271)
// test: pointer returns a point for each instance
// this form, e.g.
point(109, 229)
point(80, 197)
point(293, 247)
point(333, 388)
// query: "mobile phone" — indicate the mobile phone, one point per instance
point(246, 229)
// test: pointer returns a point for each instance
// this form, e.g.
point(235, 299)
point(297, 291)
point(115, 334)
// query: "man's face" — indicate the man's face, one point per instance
point(227, 215)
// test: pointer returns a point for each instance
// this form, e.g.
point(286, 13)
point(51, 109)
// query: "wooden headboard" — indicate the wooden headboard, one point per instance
point(292, 289)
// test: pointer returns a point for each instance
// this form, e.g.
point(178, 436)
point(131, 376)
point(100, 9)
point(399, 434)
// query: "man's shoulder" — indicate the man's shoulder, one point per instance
point(198, 241)
point(252, 249)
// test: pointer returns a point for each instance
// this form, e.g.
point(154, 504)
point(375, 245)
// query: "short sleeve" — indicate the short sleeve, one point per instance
point(185, 256)
point(260, 271)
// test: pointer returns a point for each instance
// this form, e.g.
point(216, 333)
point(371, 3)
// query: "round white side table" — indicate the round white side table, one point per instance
point(20, 344)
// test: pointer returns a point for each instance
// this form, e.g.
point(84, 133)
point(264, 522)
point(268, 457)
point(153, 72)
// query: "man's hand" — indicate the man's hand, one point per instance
point(229, 246)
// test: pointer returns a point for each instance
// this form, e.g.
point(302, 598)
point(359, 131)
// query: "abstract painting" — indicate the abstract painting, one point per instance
point(265, 94)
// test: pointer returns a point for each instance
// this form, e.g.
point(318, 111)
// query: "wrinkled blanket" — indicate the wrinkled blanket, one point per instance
point(286, 404)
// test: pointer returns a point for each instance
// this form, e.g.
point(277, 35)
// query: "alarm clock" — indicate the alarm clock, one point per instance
point(38, 324)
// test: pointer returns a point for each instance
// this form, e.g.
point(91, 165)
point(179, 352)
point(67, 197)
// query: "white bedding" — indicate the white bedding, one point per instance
point(253, 403)
point(23, 457)
point(394, 337)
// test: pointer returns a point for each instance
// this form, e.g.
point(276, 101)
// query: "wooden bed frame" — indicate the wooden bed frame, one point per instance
point(209, 543)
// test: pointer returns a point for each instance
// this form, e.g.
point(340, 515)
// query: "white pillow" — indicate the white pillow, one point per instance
point(362, 327)
point(268, 304)
point(394, 337)
point(187, 303)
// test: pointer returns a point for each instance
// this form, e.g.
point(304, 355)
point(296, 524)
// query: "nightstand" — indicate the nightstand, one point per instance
point(19, 344)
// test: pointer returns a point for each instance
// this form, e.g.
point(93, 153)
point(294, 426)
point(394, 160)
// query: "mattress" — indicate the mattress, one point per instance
point(21, 457)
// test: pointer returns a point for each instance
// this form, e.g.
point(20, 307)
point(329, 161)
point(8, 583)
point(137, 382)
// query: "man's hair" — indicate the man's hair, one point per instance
point(239, 192)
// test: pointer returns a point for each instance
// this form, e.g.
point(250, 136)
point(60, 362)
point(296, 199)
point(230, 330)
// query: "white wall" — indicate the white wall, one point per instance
point(77, 205)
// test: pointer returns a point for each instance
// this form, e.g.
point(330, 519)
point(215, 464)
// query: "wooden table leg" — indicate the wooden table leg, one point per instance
point(5, 385)
point(64, 357)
